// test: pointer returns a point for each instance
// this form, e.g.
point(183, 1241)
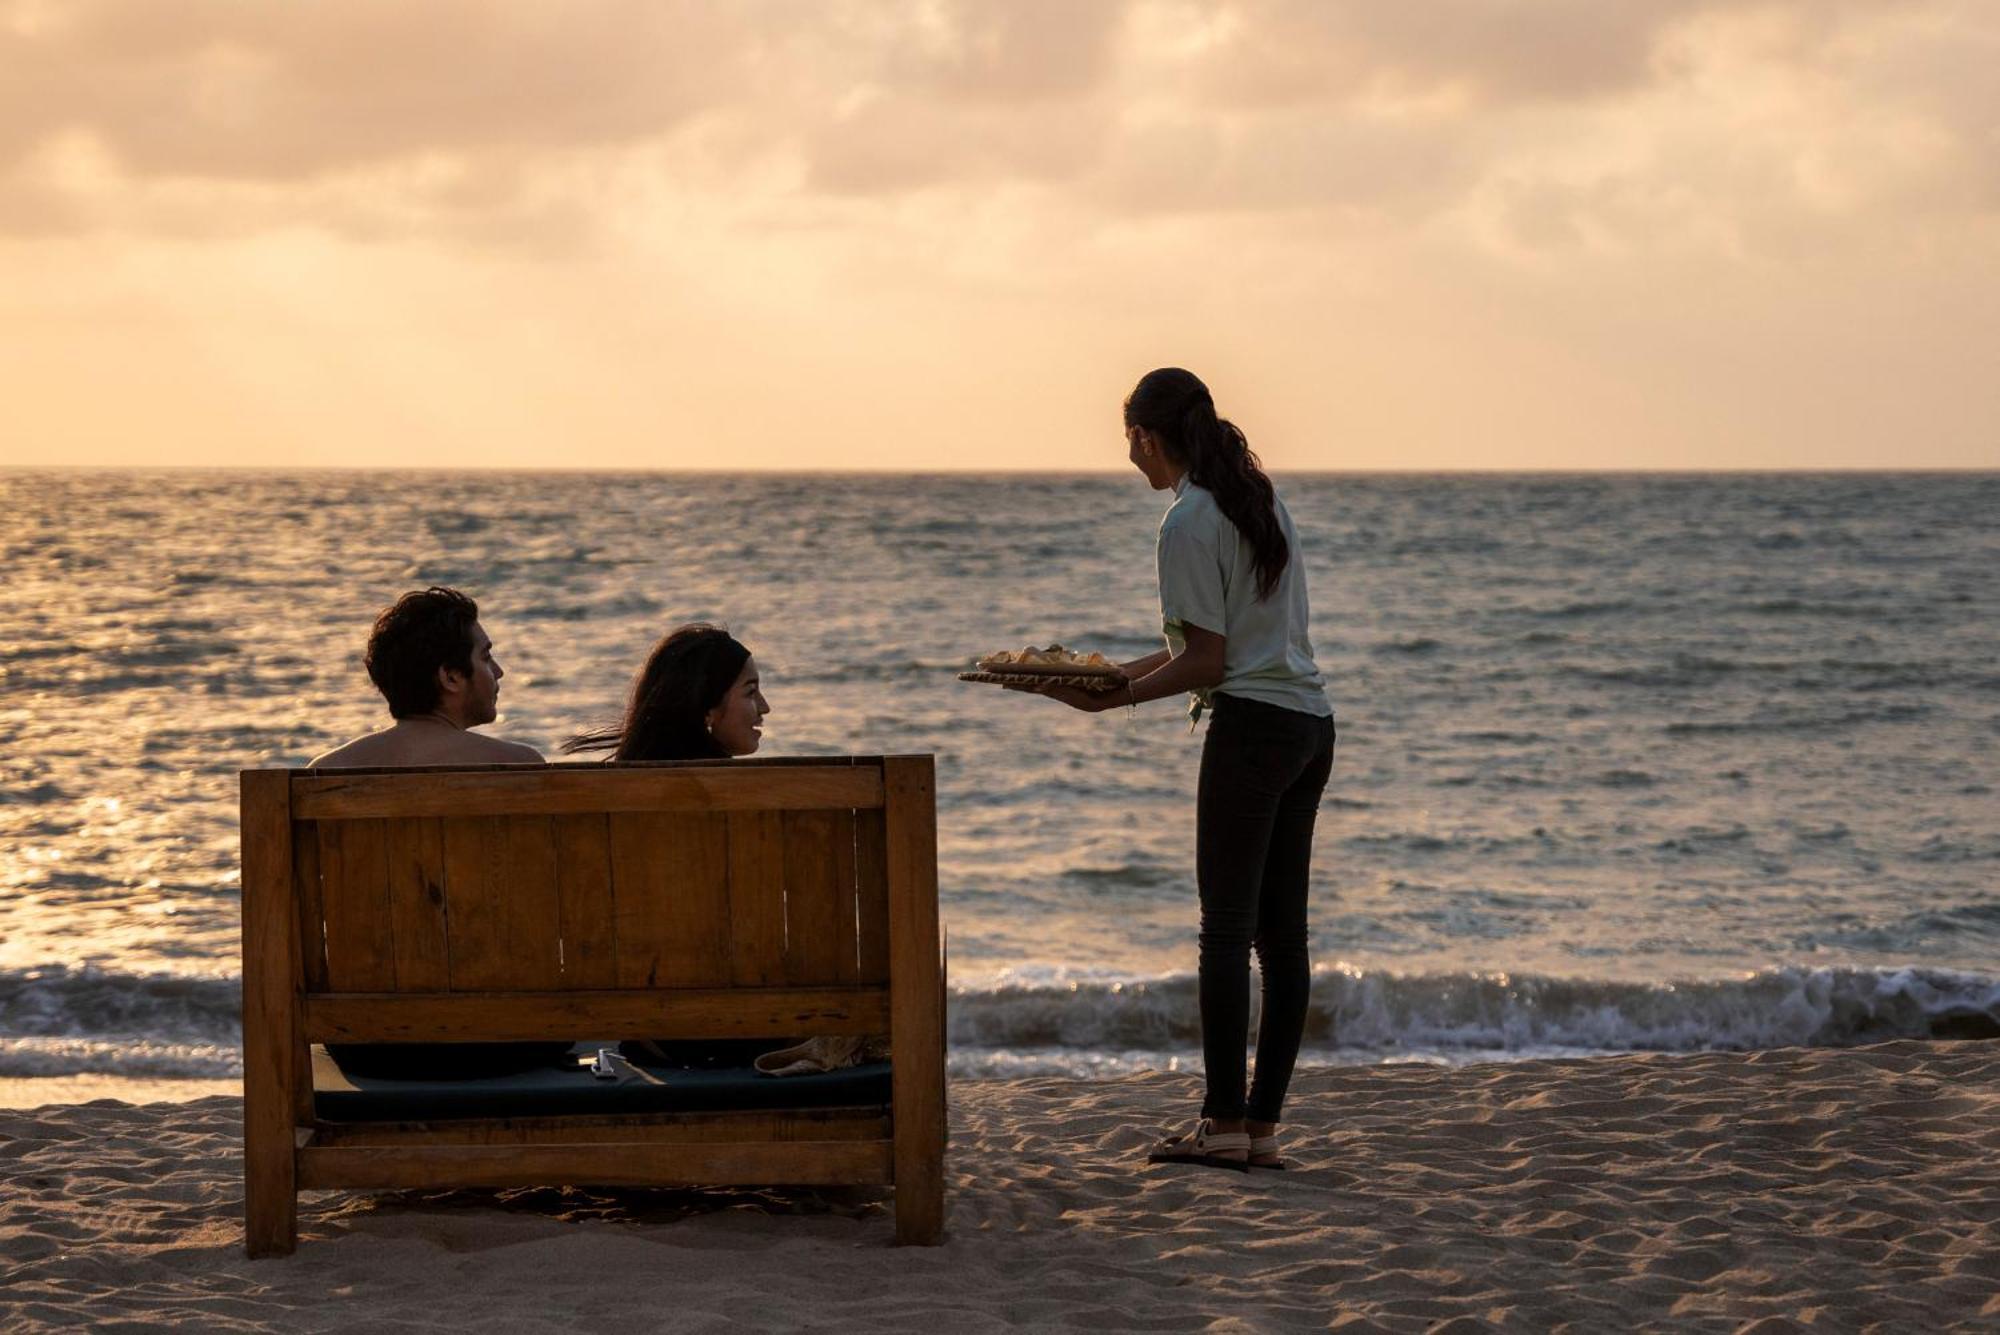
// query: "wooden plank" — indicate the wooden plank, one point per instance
point(354, 890)
point(500, 892)
point(312, 916)
point(271, 1018)
point(415, 863)
point(916, 1019)
point(802, 1163)
point(670, 875)
point(472, 851)
point(338, 795)
point(819, 896)
point(531, 904)
point(871, 892)
point(774, 1012)
point(589, 925)
point(757, 897)
point(682, 1128)
point(311, 947)
point(847, 921)
point(600, 766)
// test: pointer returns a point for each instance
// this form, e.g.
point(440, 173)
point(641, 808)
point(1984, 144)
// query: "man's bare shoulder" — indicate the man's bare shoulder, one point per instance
point(376, 748)
point(398, 746)
point(498, 751)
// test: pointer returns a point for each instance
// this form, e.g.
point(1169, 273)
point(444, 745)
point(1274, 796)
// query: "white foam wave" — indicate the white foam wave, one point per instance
point(133, 1058)
point(1501, 1013)
point(56, 1020)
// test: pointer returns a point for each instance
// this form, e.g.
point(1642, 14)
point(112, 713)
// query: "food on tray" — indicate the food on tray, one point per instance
point(1032, 669)
point(1055, 658)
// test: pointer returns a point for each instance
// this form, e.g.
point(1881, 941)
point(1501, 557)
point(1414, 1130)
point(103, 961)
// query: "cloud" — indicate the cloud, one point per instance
point(1456, 53)
point(1025, 51)
point(1528, 126)
point(214, 89)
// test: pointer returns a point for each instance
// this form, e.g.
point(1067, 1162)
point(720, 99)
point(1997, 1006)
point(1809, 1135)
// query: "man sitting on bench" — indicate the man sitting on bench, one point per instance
point(434, 664)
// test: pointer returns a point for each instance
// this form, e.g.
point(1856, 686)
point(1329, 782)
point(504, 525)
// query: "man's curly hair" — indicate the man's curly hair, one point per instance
point(415, 636)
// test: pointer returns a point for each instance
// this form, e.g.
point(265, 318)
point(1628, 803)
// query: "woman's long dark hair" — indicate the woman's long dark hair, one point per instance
point(687, 674)
point(1175, 406)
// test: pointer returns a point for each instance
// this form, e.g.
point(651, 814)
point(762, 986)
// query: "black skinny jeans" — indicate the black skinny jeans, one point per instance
point(1263, 769)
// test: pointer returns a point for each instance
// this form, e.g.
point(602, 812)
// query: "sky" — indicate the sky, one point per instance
point(1456, 234)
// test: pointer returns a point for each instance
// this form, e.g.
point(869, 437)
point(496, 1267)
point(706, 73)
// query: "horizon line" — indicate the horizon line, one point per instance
point(585, 470)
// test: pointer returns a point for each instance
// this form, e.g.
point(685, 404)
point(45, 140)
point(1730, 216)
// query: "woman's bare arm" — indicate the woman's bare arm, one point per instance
point(1197, 667)
point(1140, 667)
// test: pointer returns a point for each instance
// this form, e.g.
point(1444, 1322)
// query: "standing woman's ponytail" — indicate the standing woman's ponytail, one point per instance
point(1176, 407)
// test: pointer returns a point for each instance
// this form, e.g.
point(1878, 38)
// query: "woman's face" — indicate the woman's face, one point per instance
point(734, 722)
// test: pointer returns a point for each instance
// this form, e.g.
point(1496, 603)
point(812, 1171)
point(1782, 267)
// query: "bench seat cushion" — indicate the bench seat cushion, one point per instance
point(553, 1091)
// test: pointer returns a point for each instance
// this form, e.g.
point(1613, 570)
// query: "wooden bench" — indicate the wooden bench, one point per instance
point(741, 899)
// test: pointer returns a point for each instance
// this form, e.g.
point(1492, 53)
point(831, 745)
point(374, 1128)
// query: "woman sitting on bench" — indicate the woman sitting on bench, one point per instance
point(697, 698)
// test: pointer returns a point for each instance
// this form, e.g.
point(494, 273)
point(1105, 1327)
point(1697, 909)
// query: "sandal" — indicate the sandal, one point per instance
point(1266, 1147)
point(1211, 1149)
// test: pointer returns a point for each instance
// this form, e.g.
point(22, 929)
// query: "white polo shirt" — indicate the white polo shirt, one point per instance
point(1208, 579)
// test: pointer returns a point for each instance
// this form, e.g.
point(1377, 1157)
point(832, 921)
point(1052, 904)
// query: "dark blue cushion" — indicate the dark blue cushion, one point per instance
point(570, 1088)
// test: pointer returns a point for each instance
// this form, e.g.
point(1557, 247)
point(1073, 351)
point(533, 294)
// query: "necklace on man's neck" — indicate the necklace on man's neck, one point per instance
point(435, 717)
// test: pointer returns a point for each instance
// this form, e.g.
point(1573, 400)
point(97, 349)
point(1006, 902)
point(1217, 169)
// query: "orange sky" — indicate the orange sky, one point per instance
point(646, 234)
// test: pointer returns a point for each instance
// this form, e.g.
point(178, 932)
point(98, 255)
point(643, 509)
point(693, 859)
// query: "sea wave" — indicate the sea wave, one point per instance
point(1800, 723)
point(135, 1059)
point(62, 1021)
point(1502, 1013)
point(58, 1001)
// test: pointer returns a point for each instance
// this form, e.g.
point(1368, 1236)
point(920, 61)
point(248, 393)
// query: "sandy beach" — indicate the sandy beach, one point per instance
point(1791, 1189)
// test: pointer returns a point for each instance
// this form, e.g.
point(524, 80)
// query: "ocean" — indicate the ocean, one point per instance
point(1625, 762)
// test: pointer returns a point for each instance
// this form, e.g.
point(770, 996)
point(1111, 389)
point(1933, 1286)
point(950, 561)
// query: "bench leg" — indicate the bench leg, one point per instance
point(273, 1047)
point(270, 1195)
point(916, 997)
point(919, 1200)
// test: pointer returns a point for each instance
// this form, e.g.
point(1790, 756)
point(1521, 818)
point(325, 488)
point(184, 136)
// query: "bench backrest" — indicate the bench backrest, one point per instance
point(590, 879)
point(520, 902)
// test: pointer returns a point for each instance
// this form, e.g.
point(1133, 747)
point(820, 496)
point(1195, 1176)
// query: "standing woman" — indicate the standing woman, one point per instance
point(1233, 607)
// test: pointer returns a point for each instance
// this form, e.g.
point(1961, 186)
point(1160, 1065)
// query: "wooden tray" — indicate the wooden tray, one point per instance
point(1087, 681)
point(1049, 669)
